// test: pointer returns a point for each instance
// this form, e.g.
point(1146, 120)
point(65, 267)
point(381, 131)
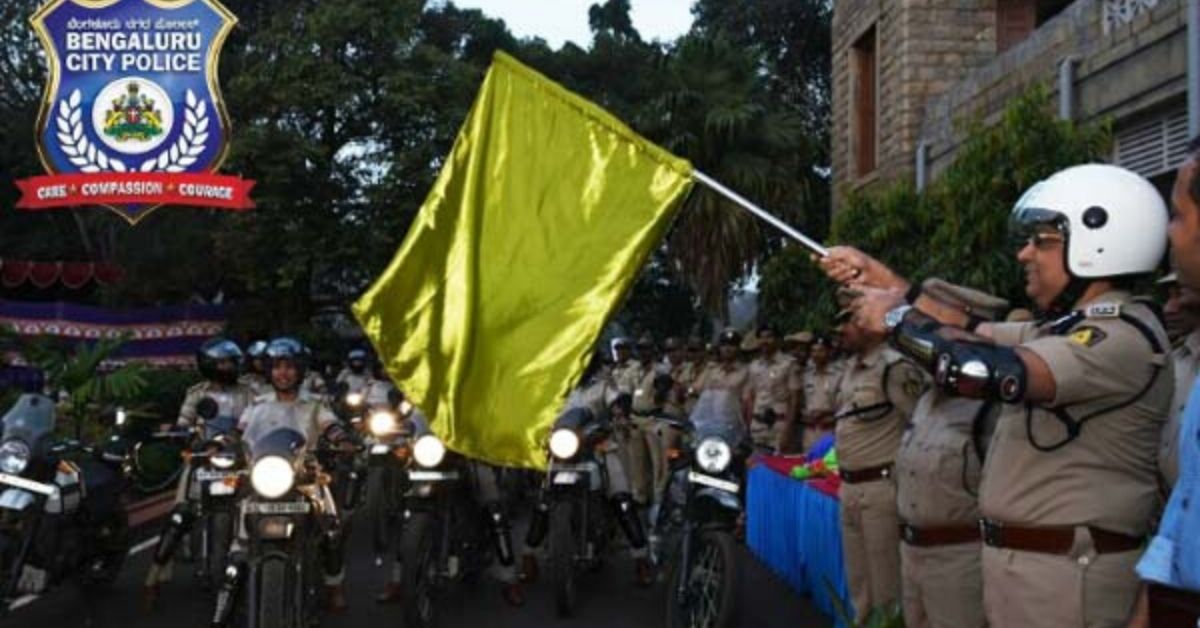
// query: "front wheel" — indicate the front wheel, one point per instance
point(705, 595)
point(272, 608)
point(219, 538)
point(562, 559)
point(419, 571)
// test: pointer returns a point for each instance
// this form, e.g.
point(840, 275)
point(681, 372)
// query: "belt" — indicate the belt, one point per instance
point(1053, 539)
point(939, 535)
point(1173, 608)
point(866, 475)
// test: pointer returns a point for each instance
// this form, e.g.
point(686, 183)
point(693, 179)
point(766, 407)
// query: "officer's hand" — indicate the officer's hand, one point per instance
point(848, 265)
point(871, 305)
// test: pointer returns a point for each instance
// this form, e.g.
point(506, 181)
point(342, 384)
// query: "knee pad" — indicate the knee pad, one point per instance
point(501, 534)
point(626, 512)
point(179, 522)
point(539, 524)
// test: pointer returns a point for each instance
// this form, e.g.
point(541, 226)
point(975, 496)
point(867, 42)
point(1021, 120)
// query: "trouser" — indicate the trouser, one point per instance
point(637, 445)
point(765, 436)
point(942, 586)
point(1081, 588)
point(870, 544)
point(667, 437)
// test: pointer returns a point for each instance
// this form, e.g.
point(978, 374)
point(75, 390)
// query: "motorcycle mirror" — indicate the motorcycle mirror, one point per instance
point(207, 408)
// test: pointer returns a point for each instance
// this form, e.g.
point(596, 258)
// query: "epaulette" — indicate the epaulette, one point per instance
point(1103, 310)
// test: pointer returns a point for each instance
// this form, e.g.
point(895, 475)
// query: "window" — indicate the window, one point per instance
point(1016, 19)
point(1153, 144)
point(864, 62)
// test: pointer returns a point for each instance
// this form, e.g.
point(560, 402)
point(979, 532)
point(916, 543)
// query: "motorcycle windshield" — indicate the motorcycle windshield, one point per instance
point(719, 413)
point(30, 419)
point(277, 429)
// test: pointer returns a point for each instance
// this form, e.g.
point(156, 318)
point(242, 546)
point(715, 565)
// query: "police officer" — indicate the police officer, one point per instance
point(774, 391)
point(727, 372)
point(287, 362)
point(1182, 313)
point(255, 376)
point(938, 470)
point(874, 401)
point(652, 397)
point(354, 374)
point(218, 361)
point(799, 346)
point(820, 381)
point(1069, 484)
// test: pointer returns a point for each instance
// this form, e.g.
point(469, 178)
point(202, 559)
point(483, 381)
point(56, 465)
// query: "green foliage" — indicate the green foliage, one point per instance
point(957, 228)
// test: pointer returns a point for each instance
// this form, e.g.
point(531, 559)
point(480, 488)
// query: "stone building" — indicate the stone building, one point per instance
point(905, 71)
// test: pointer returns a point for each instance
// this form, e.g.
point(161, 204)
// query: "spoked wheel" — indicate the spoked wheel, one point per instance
point(562, 559)
point(419, 579)
point(709, 593)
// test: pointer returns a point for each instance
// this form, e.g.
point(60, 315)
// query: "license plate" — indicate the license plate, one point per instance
point(208, 475)
point(566, 478)
point(278, 508)
point(708, 480)
point(380, 450)
point(432, 476)
point(221, 488)
point(586, 467)
point(29, 485)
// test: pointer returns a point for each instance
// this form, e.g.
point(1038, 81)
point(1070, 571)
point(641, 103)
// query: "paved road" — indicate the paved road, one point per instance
point(610, 600)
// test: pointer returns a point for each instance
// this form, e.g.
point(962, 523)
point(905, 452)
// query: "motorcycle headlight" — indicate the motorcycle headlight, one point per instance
point(383, 423)
point(429, 451)
point(121, 417)
point(14, 457)
point(713, 455)
point(272, 477)
point(354, 399)
point(223, 460)
point(564, 443)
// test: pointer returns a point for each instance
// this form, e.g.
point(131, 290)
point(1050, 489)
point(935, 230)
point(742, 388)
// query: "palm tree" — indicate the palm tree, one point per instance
point(716, 110)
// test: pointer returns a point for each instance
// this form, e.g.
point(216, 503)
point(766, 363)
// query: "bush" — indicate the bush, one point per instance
point(958, 228)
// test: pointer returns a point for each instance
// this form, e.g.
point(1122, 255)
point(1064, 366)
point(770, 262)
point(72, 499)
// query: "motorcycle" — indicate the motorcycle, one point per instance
point(700, 513)
point(60, 511)
point(444, 538)
point(572, 506)
point(388, 452)
point(276, 583)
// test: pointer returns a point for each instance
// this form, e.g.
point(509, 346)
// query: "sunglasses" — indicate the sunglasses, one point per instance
point(1043, 241)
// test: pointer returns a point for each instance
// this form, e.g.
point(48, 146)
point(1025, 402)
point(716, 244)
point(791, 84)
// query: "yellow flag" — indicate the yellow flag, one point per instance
point(537, 226)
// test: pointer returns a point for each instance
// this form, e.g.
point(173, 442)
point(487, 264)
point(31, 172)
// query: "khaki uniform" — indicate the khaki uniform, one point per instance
point(647, 456)
point(774, 383)
point(1105, 478)
point(734, 377)
point(1187, 366)
point(875, 398)
point(257, 383)
point(938, 470)
point(631, 438)
point(820, 393)
point(355, 382)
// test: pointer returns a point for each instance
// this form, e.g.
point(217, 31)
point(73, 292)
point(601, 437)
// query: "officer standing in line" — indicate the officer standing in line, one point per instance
point(938, 470)
point(774, 391)
point(1070, 482)
point(727, 372)
point(874, 401)
point(1182, 312)
point(820, 380)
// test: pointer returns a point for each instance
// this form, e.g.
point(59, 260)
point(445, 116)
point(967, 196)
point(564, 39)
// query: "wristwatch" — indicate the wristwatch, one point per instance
point(895, 316)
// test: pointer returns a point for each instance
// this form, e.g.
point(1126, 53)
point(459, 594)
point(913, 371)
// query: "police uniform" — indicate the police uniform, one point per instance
point(734, 377)
point(820, 392)
point(647, 457)
point(256, 382)
point(938, 471)
point(875, 398)
point(1065, 516)
point(1186, 358)
point(355, 382)
point(773, 383)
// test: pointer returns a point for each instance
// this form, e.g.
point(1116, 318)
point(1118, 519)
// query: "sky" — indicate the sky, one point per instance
point(558, 21)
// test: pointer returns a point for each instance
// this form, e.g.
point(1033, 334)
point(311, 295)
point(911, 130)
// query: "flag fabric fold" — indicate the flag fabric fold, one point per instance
point(536, 228)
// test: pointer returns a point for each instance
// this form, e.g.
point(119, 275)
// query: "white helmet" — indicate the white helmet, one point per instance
point(1114, 221)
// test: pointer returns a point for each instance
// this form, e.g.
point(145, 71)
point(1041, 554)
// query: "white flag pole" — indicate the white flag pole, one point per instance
point(713, 185)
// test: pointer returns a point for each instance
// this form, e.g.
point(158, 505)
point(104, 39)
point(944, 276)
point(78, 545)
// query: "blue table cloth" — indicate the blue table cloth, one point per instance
point(795, 530)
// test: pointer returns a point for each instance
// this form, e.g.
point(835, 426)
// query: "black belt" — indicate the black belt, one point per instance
point(1053, 539)
point(934, 536)
point(869, 474)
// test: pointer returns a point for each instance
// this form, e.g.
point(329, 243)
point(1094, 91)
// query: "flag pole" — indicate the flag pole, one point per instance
point(715, 186)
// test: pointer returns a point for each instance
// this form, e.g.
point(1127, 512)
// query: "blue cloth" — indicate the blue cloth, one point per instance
point(796, 531)
point(1173, 557)
point(820, 448)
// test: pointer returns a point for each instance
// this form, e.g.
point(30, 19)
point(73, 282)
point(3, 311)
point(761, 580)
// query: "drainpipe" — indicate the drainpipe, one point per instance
point(1193, 67)
point(1066, 87)
point(921, 158)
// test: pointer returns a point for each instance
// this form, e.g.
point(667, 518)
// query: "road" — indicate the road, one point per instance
point(610, 599)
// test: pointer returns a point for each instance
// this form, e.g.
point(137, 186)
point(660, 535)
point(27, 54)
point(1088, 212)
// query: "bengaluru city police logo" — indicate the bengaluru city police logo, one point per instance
point(133, 90)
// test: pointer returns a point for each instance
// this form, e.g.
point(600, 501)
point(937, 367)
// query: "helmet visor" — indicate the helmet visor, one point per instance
point(1027, 223)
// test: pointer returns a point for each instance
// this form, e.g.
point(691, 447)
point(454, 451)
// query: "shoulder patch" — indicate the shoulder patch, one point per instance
point(1087, 336)
point(1103, 310)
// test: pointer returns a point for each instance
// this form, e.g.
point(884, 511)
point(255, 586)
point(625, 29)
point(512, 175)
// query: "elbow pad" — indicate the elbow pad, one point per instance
point(969, 369)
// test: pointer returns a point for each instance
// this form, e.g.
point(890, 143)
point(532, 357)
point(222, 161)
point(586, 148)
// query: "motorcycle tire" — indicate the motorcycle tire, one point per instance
point(112, 550)
point(714, 574)
point(418, 580)
point(220, 537)
point(378, 510)
point(562, 559)
point(274, 586)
